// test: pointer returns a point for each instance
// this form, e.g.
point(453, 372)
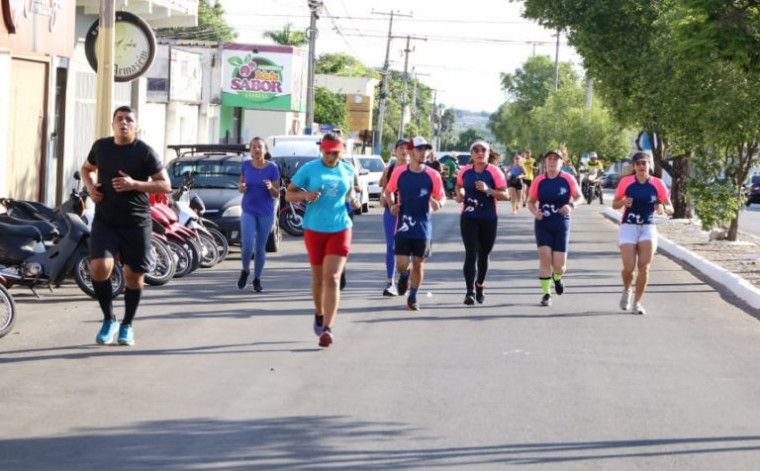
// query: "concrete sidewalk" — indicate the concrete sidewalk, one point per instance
point(721, 277)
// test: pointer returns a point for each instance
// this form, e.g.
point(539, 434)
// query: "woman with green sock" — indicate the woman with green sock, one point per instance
point(553, 196)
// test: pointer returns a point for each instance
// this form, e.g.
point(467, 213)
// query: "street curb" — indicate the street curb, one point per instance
point(733, 283)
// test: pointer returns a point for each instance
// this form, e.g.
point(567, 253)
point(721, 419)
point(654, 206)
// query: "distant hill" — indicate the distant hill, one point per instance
point(470, 119)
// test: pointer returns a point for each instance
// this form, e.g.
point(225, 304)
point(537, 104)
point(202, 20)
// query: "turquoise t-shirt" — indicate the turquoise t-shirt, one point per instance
point(328, 213)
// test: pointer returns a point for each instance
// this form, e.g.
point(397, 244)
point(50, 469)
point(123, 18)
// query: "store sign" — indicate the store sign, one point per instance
point(262, 77)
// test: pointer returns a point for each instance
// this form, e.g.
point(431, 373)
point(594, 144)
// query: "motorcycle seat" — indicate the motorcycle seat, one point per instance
point(25, 231)
point(47, 230)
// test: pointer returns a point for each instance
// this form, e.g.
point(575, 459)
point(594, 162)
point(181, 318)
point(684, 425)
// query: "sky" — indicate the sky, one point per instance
point(462, 55)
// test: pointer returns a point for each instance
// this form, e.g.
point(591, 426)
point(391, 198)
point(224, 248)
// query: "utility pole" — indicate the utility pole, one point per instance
point(589, 93)
point(406, 77)
point(314, 6)
point(105, 74)
point(436, 122)
point(384, 81)
point(415, 74)
point(556, 64)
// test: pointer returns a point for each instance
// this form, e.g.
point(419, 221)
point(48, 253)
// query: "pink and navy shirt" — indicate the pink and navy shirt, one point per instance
point(414, 190)
point(553, 193)
point(645, 196)
point(478, 205)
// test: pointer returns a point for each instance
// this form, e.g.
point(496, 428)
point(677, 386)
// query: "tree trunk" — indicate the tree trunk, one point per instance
point(733, 229)
point(679, 172)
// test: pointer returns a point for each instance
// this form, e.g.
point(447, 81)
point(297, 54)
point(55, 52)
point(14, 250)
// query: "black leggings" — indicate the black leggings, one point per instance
point(478, 236)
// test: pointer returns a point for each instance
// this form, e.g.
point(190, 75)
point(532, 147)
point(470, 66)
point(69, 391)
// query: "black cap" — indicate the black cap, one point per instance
point(401, 142)
point(640, 156)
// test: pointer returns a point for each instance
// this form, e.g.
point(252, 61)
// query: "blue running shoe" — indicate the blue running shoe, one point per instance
point(126, 335)
point(107, 331)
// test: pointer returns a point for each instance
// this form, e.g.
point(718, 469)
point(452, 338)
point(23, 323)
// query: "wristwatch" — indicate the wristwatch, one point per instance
point(571, 204)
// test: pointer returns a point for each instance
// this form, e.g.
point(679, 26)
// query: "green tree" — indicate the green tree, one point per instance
point(287, 37)
point(467, 137)
point(330, 108)
point(526, 89)
point(211, 25)
point(447, 137)
point(530, 85)
point(343, 65)
point(625, 49)
point(564, 119)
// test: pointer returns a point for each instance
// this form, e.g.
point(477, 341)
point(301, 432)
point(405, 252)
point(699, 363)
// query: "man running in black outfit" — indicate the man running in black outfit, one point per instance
point(127, 170)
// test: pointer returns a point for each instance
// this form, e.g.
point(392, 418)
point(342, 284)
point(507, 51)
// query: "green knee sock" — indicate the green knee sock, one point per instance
point(545, 285)
point(557, 276)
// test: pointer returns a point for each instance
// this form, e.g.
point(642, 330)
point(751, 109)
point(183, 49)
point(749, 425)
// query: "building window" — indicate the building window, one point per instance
point(157, 85)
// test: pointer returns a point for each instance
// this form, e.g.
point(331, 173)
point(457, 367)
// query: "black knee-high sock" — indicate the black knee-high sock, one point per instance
point(131, 301)
point(105, 298)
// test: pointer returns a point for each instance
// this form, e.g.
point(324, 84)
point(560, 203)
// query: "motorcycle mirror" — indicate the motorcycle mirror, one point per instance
point(77, 176)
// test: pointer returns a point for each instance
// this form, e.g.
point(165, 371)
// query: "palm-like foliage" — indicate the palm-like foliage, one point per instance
point(287, 37)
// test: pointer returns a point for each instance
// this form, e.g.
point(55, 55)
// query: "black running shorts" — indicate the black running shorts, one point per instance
point(130, 244)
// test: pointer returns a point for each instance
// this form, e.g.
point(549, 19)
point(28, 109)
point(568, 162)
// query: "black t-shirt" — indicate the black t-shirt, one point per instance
point(435, 165)
point(139, 161)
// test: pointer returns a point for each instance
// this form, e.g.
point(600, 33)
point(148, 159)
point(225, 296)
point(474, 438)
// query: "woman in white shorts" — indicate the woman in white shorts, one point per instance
point(642, 195)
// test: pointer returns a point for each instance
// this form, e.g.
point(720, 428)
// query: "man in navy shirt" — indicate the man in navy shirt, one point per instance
point(419, 189)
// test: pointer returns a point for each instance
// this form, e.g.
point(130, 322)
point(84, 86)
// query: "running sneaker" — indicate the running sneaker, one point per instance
point(639, 309)
point(126, 335)
point(479, 296)
point(243, 279)
point(403, 284)
point(546, 300)
point(326, 338)
point(257, 285)
point(625, 301)
point(559, 287)
point(318, 320)
point(107, 331)
point(411, 304)
point(469, 299)
point(390, 290)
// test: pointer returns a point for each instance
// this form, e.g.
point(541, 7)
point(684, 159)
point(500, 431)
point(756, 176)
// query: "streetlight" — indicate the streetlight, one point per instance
point(314, 6)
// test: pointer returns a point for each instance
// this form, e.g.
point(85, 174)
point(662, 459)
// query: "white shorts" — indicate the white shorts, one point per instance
point(635, 233)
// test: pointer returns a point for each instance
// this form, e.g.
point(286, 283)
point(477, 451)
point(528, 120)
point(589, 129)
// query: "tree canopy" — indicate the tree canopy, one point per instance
point(683, 70)
point(211, 25)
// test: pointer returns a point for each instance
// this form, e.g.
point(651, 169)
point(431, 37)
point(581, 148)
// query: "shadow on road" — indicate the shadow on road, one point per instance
point(324, 442)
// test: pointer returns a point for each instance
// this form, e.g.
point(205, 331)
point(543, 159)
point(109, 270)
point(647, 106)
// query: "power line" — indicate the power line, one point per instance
point(338, 30)
point(370, 18)
point(467, 39)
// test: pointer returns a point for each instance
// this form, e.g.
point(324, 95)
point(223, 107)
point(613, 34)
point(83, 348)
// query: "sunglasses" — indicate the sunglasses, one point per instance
point(641, 162)
point(479, 150)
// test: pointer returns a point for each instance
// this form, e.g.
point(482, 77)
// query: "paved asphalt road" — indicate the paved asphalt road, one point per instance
point(221, 379)
point(749, 220)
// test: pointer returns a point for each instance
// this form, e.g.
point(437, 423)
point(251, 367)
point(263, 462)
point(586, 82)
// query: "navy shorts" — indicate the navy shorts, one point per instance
point(131, 244)
point(415, 247)
point(554, 234)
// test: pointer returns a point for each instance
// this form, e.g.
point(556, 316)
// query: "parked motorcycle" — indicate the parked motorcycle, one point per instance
point(291, 214)
point(190, 212)
point(41, 247)
point(7, 309)
point(26, 260)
